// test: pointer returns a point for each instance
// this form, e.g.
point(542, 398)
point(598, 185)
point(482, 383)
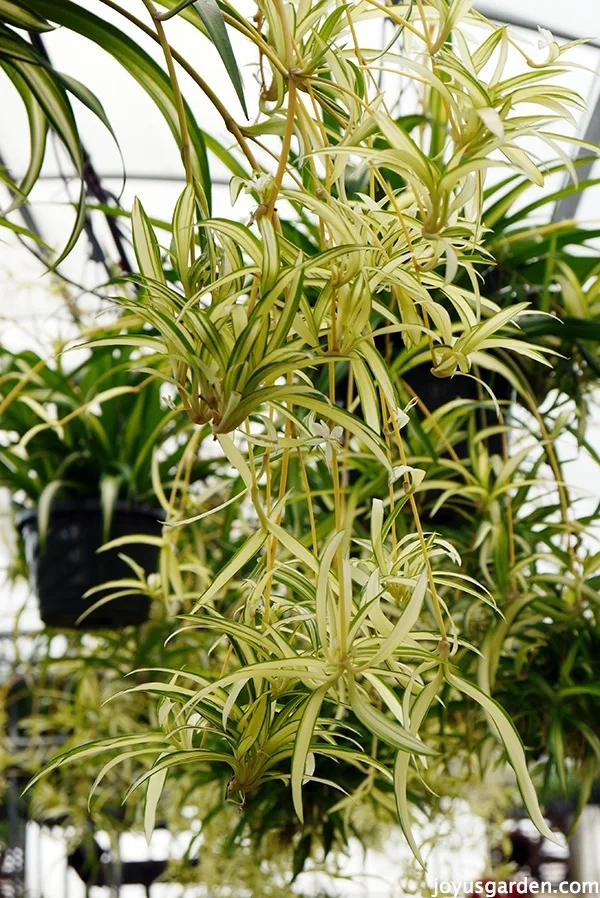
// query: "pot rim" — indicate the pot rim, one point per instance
point(25, 516)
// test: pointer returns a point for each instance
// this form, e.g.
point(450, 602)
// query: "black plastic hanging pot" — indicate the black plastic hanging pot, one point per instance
point(434, 392)
point(69, 564)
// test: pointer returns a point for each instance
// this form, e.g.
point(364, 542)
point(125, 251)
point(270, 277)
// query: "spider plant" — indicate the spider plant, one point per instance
point(351, 624)
point(84, 430)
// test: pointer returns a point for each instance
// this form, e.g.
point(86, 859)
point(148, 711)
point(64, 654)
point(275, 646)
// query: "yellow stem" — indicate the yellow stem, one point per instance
point(396, 17)
point(186, 153)
point(448, 445)
point(418, 525)
point(311, 512)
point(272, 540)
point(228, 119)
point(187, 458)
point(337, 499)
point(349, 401)
point(12, 395)
point(563, 496)
point(285, 147)
point(388, 449)
point(250, 32)
point(510, 525)
point(411, 250)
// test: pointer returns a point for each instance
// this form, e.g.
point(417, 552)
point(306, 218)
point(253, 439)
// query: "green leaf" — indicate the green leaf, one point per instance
point(294, 546)
point(45, 502)
point(154, 789)
point(556, 745)
point(183, 233)
point(573, 691)
point(25, 232)
point(140, 66)
point(38, 131)
point(211, 15)
point(85, 96)
point(323, 585)
point(302, 742)
point(18, 15)
point(385, 729)
point(145, 244)
point(567, 329)
point(89, 749)
point(109, 492)
point(48, 91)
point(514, 749)
point(174, 759)
point(237, 460)
point(119, 759)
point(271, 253)
point(288, 313)
point(418, 712)
point(408, 619)
point(301, 854)
point(243, 555)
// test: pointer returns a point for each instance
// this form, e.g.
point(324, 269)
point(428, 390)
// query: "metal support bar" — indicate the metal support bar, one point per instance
point(137, 176)
point(566, 208)
point(495, 12)
point(24, 210)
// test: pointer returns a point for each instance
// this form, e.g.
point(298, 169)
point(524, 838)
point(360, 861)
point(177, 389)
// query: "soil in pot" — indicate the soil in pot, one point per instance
point(69, 564)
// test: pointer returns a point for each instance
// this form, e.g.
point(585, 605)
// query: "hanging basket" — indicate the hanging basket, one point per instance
point(69, 564)
point(435, 392)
